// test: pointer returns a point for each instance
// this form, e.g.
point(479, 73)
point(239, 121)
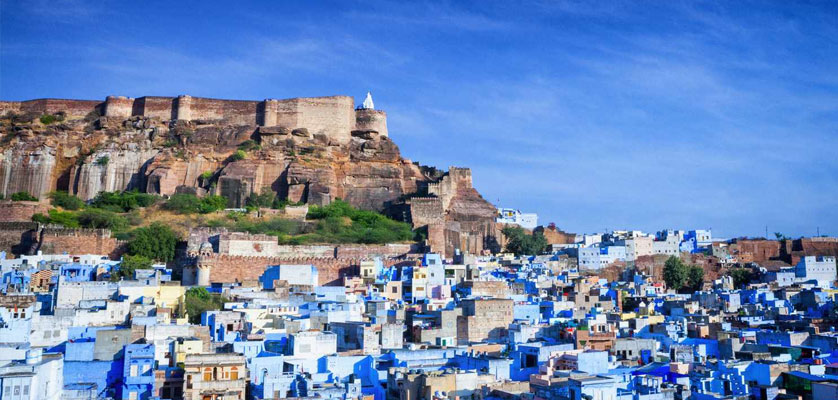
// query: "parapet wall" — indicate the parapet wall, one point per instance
point(229, 269)
point(73, 108)
point(333, 116)
point(21, 210)
point(80, 241)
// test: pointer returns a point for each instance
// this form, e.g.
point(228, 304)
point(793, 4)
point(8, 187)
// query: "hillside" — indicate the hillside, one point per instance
point(311, 150)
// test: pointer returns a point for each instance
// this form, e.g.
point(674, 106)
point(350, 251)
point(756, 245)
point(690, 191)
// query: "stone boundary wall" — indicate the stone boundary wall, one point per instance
point(80, 241)
point(73, 108)
point(21, 210)
point(228, 269)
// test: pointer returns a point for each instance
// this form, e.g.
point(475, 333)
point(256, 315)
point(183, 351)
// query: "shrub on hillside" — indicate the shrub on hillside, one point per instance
point(102, 219)
point(184, 203)
point(65, 200)
point(249, 145)
point(238, 155)
point(264, 200)
point(67, 219)
point(23, 196)
point(341, 222)
point(123, 201)
point(47, 119)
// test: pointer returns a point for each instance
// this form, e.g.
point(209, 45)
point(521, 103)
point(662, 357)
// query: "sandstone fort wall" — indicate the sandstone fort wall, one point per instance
point(21, 210)
point(80, 241)
point(333, 116)
point(229, 269)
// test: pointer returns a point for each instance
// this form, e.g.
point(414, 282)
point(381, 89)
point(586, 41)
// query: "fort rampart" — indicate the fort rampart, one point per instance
point(334, 116)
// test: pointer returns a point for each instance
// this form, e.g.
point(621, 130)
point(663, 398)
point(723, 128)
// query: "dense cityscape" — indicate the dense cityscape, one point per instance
point(418, 200)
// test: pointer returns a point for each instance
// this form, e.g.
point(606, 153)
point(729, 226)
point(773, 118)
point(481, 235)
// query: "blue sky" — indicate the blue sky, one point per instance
point(596, 115)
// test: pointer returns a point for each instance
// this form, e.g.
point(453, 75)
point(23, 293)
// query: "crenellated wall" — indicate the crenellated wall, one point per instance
point(333, 116)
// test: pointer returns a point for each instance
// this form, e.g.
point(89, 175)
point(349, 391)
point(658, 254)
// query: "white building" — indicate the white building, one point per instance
point(39, 377)
point(669, 245)
point(314, 344)
point(516, 217)
point(597, 257)
point(637, 246)
point(817, 268)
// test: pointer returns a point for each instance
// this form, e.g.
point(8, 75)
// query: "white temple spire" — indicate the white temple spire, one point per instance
point(368, 104)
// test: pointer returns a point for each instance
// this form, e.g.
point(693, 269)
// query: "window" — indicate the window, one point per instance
point(133, 371)
point(26, 390)
point(207, 374)
point(234, 373)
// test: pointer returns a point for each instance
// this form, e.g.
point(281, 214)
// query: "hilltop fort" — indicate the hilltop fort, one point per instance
point(306, 150)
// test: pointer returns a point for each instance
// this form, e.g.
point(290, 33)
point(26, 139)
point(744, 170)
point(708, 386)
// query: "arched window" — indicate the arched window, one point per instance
point(234, 373)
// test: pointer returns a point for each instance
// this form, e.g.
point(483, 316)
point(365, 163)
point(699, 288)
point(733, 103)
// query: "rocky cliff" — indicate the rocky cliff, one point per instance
point(305, 150)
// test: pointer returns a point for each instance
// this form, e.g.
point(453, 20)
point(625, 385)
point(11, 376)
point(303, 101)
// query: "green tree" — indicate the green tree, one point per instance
point(695, 278)
point(519, 242)
point(102, 219)
point(263, 200)
point(183, 203)
point(741, 276)
point(212, 203)
point(128, 265)
point(65, 200)
point(675, 273)
point(156, 242)
point(123, 201)
point(198, 300)
point(23, 196)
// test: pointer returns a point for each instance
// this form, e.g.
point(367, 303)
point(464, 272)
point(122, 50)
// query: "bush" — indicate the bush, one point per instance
point(207, 175)
point(102, 219)
point(65, 200)
point(23, 196)
point(47, 119)
point(183, 203)
point(340, 222)
point(127, 267)
point(238, 155)
point(265, 199)
point(102, 161)
point(65, 218)
point(212, 204)
point(249, 145)
point(156, 242)
point(123, 202)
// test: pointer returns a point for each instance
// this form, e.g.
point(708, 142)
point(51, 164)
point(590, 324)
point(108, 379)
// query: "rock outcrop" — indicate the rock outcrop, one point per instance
point(304, 150)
